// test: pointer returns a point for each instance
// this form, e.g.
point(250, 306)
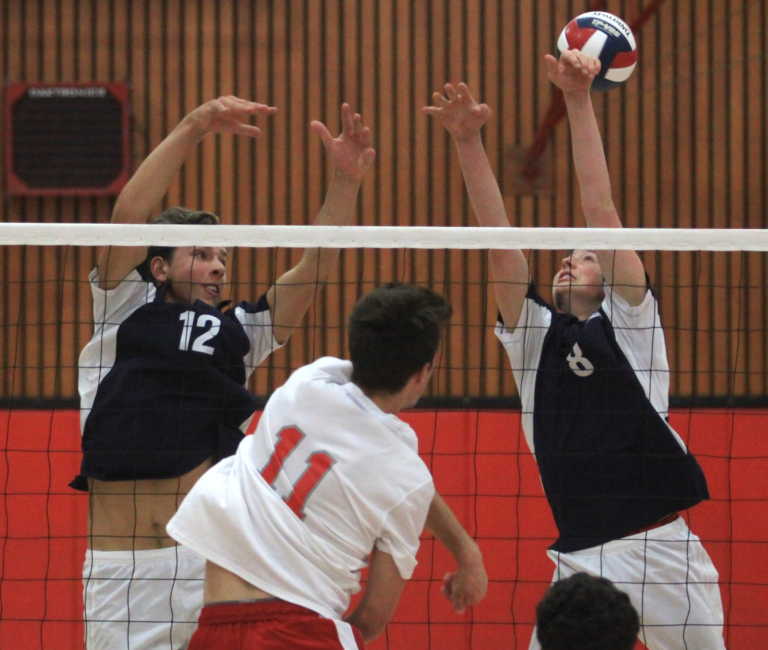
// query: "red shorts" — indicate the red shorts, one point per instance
point(271, 625)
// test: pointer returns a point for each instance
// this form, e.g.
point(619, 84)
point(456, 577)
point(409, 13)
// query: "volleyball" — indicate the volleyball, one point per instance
point(605, 37)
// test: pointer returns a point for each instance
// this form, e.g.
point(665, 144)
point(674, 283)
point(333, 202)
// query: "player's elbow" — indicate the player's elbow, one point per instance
point(371, 627)
point(370, 621)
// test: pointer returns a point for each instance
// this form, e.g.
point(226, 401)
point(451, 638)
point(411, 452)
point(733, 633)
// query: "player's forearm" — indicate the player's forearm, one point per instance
point(482, 188)
point(293, 293)
point(149, 184)
point(338, 210)
point(589, 162)
point(507, 266)
point(442, 523)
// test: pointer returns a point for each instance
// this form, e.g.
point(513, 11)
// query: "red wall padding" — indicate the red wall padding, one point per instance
point(481, 466)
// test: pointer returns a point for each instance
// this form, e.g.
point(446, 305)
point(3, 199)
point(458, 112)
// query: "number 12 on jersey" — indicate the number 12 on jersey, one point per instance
point(319, 463)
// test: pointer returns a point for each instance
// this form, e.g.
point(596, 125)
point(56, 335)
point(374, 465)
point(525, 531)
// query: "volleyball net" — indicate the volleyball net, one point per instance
point(711, 286)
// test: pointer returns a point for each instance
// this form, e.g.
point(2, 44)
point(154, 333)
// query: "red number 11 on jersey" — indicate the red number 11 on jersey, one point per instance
point(318, 463)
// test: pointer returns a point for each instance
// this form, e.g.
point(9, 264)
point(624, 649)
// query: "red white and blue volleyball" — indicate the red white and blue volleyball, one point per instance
point(605, 37)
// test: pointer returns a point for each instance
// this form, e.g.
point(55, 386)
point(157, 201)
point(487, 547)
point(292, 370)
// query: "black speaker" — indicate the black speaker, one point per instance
point(66, 139)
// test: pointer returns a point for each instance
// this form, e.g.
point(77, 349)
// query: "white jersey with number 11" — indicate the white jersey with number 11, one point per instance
point(326, 477)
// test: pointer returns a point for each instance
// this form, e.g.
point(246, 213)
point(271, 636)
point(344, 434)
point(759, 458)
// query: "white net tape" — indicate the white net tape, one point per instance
point(427, 237)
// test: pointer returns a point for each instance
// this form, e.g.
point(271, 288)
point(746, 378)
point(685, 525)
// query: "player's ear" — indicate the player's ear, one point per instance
point(425, 373)
point(158, 267)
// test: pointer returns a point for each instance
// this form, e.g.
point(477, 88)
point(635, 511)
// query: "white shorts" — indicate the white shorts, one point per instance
point(668, 576)
point(142, 600)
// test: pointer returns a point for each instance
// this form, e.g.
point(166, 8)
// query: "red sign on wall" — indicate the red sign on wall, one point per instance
point(66, 138)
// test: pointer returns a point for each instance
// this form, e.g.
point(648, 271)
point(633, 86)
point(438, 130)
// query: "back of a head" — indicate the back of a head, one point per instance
point(584, 612)
point(393, 332)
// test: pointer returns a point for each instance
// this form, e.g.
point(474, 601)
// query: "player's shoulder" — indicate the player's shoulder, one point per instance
point(615, 306)
point(323, 372)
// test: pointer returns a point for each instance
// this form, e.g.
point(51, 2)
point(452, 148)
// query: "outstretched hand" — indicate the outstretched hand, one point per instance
point(229, 114)
point(458, 111)
point(350, 153)
point(573, 71)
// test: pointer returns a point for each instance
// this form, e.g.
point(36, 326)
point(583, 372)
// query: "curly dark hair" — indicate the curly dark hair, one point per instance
point(588, 613)
point(393, 332)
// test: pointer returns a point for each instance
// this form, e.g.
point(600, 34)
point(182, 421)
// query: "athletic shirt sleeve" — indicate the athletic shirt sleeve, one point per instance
point(113, 306)
point(256, 320)
point(110, 308)
point(523, 345)
point(640, 336)
point(403, 527)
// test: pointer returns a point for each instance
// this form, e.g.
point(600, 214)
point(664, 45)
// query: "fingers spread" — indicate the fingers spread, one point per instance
point(321, 130)
point(368, 156)
point(347, 119)
point(464, 92)
point(439, 100)
point(247, 129)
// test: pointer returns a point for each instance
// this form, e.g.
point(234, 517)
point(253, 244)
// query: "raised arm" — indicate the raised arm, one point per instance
point(573, 74)
point(350, 155)
point(143, 193)
point(463, 118)
point(382, 593)
point(468, 584)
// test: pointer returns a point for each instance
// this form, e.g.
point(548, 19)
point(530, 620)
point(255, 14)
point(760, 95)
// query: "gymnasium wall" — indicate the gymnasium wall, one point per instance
point(686, 141)
point(480, 465)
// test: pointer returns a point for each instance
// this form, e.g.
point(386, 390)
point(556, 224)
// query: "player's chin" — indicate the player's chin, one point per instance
point(202, 297)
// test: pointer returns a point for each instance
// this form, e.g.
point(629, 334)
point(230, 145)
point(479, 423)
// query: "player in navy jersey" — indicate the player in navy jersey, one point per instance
point(162, 386)
point(162, 381)
point(331, 481)
point(593, 379)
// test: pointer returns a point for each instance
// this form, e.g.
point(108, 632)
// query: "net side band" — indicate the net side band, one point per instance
point(426, 237)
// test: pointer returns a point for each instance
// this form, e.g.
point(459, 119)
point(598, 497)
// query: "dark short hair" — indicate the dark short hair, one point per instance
point(393, 332)
point(588, 613)
point(176, 216)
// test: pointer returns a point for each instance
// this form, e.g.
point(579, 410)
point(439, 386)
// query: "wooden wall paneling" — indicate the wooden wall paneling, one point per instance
point(78, 305)
point(670, 162)
point(224, 168)
point(669, 269)
point(719, 191)
point(313, 179)
point(348, 279)
point(234, 154)
point(263, 261)
point(370, 84)
point(732, 173)
point(208, 74)
point(470, 272)
point(658, 180)
point(438, 169)
point(422, 131)
point(5, 258)
point(304, 344)
point(754, 210)
point(481, 80)
point(280, 74)
point(508, 133)
point(407, 106)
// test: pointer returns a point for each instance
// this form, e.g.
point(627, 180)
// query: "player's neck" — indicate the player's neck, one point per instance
point(388, 403)
point(581, 309)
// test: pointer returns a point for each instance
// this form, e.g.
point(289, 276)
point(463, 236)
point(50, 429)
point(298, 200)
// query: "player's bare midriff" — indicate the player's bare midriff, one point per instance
point(223, 586)
point(131, 515)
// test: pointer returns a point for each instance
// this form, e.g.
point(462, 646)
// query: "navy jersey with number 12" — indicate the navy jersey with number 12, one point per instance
point(162, 384)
